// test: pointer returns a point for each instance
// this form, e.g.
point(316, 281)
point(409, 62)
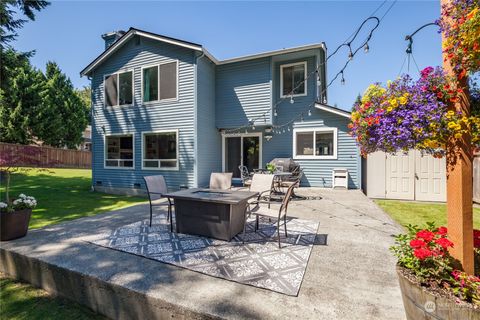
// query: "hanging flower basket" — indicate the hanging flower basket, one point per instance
point(408, 114)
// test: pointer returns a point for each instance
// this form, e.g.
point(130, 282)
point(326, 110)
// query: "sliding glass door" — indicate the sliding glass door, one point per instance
point(242, 150)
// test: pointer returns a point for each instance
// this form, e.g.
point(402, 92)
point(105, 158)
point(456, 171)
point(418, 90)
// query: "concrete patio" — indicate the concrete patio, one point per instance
point(351, 275)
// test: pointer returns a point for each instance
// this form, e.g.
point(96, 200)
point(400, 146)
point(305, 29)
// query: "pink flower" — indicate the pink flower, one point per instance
point(426, 72)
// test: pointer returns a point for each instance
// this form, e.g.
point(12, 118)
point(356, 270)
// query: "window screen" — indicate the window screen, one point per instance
point(111, 90)
point(168, 81)
point(293, 79)
point(304, 143)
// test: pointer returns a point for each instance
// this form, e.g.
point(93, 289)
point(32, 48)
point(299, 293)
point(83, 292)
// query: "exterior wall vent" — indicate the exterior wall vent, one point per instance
point(137, 185)
point(98, 183)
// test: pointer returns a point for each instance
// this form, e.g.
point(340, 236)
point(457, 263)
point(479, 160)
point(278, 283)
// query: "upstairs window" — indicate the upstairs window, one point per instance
point(150, 84)
point(119, 151)
point(160, 150)
point(293, 79)
point(160, 82)
point(119, 89)
point(320, 143)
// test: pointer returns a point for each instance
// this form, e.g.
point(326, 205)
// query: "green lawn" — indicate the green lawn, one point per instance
point(418, 213)
point(63, 194)
point(21, 301)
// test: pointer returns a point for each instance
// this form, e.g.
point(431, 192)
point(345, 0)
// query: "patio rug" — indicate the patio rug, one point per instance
point(258, 262)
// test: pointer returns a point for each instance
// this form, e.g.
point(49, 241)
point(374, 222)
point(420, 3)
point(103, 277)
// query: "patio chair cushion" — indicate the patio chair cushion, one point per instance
point(221, 180)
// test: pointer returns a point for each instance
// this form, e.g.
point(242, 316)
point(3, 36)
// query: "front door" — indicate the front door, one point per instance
point(242, 150)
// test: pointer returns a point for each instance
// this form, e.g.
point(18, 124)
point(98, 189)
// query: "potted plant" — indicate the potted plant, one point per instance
point(14, 217)
point(15, 214)
point(432, 286)
point(270, 168)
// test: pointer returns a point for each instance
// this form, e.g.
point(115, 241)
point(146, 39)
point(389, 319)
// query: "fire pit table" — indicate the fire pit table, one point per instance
point(218, 214)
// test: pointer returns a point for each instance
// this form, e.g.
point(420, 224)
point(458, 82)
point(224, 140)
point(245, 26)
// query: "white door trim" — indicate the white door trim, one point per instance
point(242, 135)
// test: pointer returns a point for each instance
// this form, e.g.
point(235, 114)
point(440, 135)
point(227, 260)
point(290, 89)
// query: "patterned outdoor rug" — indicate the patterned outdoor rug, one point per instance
point(259, 262)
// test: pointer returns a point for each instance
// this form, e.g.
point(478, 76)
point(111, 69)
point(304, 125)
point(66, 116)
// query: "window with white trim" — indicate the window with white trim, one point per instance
point(119, 151)
point(315, 143)
point(160, 82)
point(160, 150)
point(119, 89)
point(293, 79)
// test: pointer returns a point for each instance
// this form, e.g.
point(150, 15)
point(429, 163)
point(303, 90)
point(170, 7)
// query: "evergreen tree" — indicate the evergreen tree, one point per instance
point(10, 20)
point(358, 100)
point(63, 116)
point(20, 98)
point(86, 95)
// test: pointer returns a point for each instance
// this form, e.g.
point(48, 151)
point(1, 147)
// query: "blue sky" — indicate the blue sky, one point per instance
point(68, 32)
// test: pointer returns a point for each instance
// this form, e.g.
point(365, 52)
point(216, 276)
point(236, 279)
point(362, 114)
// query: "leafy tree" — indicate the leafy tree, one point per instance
point(63, 115)
point(8, 21)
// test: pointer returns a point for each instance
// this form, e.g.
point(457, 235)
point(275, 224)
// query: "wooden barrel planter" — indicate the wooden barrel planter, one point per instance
point(14, 225)
point(421, 304)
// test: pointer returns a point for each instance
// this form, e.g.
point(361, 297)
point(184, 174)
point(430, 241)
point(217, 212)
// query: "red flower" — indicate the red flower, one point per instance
point(439, 94)
point(442, 231)
point(422, 253)
point(444, 243)
point(417, 243)
point(425, 235)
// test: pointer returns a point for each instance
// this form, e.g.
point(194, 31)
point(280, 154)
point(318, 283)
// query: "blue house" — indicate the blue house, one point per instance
point(166, 106)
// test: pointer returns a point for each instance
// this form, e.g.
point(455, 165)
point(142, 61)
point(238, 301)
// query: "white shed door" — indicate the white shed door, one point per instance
point(400, 176)
point(430, 178)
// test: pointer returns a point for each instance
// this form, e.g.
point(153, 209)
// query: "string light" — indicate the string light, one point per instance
point(351, 54)
point(366, 48)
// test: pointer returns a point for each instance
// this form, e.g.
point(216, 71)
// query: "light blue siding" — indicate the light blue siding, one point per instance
point(145, 117)
point(209, 143)
point(212, 97)
point(318, 172)
point(243, 92)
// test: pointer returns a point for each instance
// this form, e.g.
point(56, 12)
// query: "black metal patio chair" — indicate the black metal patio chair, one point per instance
point(156, 188)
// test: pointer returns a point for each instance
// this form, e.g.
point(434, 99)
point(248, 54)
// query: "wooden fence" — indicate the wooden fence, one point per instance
point(61, 158)
point(476, 178)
